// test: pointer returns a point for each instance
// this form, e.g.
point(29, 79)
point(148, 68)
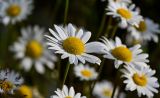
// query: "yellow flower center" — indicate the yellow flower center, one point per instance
point(73, 45)
point(107, 93)
point(34, 49)
point(86, 73)
point(122, 53)
point(14, 10)
point(68, 97)
point(124, 13)
point(139, 80)
point(142, 26)
point(25, 91)
point(6, 86)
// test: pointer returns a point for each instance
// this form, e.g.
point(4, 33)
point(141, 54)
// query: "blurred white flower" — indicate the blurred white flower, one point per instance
point(67, 93)
point(13, 11)
point(121, 54)
point(141, 80)
point(103, 89)
point(85, 72)
point(130, 40)
point(146, 31)
point(9, 81)
point(32, 50)
point(72, 44)
point(127, 15)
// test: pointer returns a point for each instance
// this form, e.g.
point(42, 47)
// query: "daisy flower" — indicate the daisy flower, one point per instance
point(13, 11)
point(72, 43)
point(141, 80)
point(85, 72)
point(24, 91)
point(67, 93)
point(126, 14)
point(32, 50)
point(146, 31)
point(121, 54)
point(130, 40)
point(9, 81)
point(103, 89)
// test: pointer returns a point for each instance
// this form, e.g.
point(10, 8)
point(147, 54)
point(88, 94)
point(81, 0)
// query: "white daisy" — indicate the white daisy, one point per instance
point(130, 40)
point(103, 89)
point(126, 14)
point(121, 54)
point(13, 11)
point(146, 31)
point(72, 43)
point(141, 80)
point(67, 93)
point(32, 50)
point(9, 81)
point(85, 72)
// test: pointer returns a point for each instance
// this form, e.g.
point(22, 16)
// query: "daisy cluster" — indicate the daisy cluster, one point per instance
point(39, 51)
point(141, 29)
point(71, 44)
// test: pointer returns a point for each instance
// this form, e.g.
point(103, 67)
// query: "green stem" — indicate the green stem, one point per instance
point(59, 68)
point(114, 90)
point(98, 77)
point(108, 26)
point(114, 31)
point(101, 25)
point(66, 73)
point(86, 89)
point(115, 82)
point(54, 13)
point(66, 12)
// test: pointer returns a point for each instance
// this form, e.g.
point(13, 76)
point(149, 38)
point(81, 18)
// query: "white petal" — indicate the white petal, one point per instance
point(65, 90)
point(54, 34)
point(71, 59)
point(26, 63)
point(92, 59)
point(39, 67)
point(71, 30)
point(80, 33)
point(86, 37)
point(94, 47)
point(71, 92)
point(118, 42)
point(60, 32)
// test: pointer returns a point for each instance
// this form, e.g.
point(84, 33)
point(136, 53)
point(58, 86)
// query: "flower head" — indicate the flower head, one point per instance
point(67, 93)
point(126, 14)
point(84, 72)
point(103, 89)
point(32, 50)
point(146, 31)
point(72, 43)
point(13, 11)
point(140, 79)
point(122, 54)
point(9, 81)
